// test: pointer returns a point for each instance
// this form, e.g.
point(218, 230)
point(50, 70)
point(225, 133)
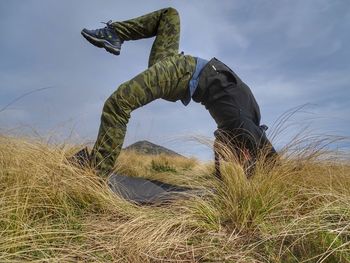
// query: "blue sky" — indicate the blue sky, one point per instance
point(289, 52)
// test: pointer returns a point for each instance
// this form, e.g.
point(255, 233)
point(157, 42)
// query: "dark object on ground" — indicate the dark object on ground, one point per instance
point(144, 191)
point(81, 158)
point(147, 147)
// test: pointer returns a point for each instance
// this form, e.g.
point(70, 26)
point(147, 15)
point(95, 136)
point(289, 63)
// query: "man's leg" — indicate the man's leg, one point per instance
point(164, 24)
point(168, 77)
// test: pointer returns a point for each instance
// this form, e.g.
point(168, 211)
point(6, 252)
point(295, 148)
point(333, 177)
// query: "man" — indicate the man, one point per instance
point(173, 76)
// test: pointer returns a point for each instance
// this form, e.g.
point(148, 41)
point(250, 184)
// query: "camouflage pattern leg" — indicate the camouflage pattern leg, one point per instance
point(167, 79)
point(164, 24)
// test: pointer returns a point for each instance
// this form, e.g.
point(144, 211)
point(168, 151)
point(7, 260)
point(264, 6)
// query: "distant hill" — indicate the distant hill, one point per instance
point(147, 147)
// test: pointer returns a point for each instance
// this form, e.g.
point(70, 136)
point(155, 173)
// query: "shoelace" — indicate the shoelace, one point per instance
point(108, 24)
point(110, 27)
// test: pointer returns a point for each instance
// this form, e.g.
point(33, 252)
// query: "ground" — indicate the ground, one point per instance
point(51, 211)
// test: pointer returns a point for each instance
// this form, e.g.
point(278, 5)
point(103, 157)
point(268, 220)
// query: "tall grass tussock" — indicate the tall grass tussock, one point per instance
point(296, 211)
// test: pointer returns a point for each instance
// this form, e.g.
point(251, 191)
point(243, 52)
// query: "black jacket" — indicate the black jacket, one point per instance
point(232, 105)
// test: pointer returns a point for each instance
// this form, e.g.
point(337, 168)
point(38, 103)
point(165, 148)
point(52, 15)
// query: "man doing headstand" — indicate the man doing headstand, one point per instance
point(173, 76)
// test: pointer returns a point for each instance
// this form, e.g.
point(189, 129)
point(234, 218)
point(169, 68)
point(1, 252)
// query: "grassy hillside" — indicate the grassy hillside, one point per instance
point(53, 212)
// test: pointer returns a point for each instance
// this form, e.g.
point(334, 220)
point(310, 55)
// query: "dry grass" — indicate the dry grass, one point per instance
point(52, 212)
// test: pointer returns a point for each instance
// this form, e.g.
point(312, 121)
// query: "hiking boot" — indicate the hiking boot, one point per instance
point(106, 38)
point(81, 158)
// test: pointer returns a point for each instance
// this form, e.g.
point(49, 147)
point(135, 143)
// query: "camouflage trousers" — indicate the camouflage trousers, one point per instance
point(167, 77)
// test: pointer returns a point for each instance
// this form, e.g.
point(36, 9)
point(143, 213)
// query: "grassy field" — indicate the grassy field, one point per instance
point(52, 212)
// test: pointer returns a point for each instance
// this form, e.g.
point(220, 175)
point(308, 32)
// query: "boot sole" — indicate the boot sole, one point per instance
point(101, 43)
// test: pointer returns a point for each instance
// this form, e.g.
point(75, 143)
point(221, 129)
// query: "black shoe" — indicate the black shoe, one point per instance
point(104, 37)
point(81, 158)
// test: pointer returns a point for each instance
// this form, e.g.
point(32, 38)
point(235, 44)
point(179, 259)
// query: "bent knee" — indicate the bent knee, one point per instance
point(117, 100)
point(171, 11)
